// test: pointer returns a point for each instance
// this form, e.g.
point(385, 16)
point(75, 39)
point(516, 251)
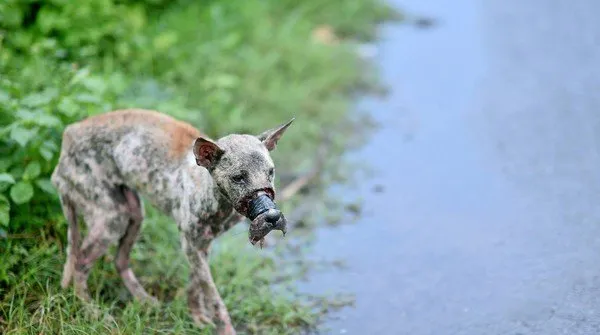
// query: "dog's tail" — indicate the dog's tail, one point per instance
point(73, 238)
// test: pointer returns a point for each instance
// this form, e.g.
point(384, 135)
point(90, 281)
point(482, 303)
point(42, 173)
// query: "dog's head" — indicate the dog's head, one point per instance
point(242, 167)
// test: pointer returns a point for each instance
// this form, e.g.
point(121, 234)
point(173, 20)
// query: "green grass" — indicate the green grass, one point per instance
point(224, 66)
point(35, 303)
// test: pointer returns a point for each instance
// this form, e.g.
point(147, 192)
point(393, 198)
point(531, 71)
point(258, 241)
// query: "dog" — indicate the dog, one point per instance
point(109, 160)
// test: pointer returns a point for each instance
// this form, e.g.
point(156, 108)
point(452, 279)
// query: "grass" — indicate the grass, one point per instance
point(225, 67)
point(36, 304)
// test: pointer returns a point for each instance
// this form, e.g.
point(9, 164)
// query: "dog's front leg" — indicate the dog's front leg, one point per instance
point(204, 300)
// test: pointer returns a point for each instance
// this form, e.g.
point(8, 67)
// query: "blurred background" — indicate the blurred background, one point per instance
point(455, 146)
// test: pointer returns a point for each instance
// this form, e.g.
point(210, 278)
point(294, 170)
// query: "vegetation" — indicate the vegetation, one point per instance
point(225, 66)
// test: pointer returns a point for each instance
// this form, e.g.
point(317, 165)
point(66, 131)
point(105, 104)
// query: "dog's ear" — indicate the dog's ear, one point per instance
point(207, 152)
point(271, 136)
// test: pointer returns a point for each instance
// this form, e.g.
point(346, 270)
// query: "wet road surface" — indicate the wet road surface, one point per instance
point(489, 158)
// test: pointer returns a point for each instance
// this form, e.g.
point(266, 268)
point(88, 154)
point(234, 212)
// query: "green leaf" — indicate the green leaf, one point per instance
point(12, 16)
point(46, 153)
point(21, 192)
point(22, 135)
point(225, 80)
point(81, 74)
point(47, 149)
point(25, 114)
point(46, 19)
point(68, 107)
point(22, 38)
point(38, 117)
point(5, 163)
point(17, 171)
point(48, 120)
point(6, 178)
point(40, 99)
point(46, 186)
point(94, 84)
point(88, 98)
point(4, 211)
point(4, 97)
point(32, 171)
point(5, 181)
point(164, 40)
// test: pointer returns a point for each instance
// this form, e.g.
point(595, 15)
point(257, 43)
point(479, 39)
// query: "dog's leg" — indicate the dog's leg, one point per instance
point(125, 246)
point(94, 245)
point(72, 241)
point(204, 300)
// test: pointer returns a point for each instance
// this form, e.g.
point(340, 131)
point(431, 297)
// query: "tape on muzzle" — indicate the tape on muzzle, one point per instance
point(260, 205)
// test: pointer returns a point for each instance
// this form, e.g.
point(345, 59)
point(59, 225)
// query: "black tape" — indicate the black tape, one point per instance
point(260, 205)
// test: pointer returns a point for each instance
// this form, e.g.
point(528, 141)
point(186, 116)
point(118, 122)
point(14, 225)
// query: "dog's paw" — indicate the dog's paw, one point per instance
point(202, 320)
point(147, 299)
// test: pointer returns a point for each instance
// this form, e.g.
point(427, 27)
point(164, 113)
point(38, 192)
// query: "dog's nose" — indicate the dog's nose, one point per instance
point(272, 215)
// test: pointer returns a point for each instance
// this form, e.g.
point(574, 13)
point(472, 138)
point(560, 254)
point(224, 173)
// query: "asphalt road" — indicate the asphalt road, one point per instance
point(489, 222)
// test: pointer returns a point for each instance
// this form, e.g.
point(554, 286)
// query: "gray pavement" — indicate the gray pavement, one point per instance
point(489, 222)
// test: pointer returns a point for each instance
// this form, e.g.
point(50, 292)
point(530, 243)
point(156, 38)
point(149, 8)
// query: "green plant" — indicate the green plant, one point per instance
point(30, 134)
point(84, 29)
point(224, 66)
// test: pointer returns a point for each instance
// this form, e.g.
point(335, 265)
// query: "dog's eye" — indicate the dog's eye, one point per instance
point(271, 172)
point(238, 178)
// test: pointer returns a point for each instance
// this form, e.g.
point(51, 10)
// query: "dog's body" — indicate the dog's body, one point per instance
point(108, 161)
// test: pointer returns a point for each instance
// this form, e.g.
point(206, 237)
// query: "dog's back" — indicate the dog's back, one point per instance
point(169, 135)
point(134, 148)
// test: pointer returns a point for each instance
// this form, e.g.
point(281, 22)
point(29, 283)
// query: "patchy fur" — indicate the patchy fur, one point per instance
point(108, 161)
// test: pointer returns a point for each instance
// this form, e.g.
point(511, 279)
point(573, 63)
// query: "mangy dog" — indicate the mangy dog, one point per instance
point(108, 161)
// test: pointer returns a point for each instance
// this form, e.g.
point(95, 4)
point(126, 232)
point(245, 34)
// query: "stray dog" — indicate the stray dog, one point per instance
point(107, 161)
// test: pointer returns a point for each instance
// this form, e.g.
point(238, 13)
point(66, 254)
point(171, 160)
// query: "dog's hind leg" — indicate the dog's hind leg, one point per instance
point(73, 238)
point(106, 228)
point(126, 244)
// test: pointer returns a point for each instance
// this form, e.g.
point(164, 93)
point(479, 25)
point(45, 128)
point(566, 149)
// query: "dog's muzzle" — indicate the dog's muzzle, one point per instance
point(265, 217)
point(263, 204)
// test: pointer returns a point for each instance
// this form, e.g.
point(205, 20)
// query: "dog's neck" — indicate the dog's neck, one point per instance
point(196, 197)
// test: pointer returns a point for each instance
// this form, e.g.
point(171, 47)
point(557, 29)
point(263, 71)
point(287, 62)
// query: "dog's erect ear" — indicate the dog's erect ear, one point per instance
point(207, 152)
point(271, 136)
